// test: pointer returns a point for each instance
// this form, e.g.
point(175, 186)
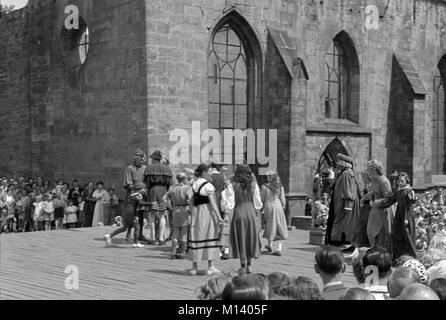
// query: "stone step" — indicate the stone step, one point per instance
point(301, 223)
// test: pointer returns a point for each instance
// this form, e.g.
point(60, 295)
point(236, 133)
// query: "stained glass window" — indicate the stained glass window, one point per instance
point(438, 134)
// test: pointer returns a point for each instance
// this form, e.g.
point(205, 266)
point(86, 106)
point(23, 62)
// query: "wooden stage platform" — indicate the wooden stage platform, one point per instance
point(32, 266)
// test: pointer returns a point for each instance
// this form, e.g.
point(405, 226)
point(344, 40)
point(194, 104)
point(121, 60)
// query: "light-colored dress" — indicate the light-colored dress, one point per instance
point(378, 231)
point(98, 216)
point(244, 234)
point(71, 214)
point(276, 227)
point(204, 239)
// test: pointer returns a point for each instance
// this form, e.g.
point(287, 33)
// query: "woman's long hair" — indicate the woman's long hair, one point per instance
point(244, 179)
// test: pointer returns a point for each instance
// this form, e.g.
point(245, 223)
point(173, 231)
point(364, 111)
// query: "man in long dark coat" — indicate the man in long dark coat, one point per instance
point(343, 217)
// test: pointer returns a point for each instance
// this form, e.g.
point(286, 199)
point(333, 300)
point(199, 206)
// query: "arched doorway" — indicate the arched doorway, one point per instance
point(327, 161)
point(328, 157)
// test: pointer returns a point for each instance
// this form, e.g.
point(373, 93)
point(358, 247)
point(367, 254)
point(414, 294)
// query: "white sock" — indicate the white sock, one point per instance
point(226, 250)
point(279, 246)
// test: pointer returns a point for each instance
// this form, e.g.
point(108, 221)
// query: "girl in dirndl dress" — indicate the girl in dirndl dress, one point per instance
point(274, 202)
point(204, 239)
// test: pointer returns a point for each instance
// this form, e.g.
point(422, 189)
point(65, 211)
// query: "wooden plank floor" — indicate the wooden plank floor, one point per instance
point(32, 266)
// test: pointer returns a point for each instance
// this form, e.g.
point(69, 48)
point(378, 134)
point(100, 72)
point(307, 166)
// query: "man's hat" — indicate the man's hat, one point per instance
point(156, 155)
point(344, 158)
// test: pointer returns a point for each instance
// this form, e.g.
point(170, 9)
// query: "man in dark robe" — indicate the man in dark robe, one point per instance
point(158, 178)
point(134, 175)
point(344, 214)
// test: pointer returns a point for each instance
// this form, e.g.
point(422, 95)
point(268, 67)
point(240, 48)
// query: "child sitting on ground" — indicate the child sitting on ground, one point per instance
point(319, 215)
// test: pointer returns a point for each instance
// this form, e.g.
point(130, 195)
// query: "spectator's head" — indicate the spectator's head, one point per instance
point(418, 267)
point(438, 242)
point(302, 288)
point(400, 261)
point(358, 268)
point(358, 294)
point(89, 185)
point(75, 183)
point(439, 286)
point(70, 203)
point(181, 177)
point(418, 291)
point(213, 289)
point(438, 270)
point(100, 185)
point(247, 287)
point(60, 182)
point(400, 279)
point(111, 191)
point(278, 280)
point(381, 259)
point(329, 263)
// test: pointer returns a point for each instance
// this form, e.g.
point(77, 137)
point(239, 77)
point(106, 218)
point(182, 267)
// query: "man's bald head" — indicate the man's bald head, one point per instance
point(418, 291)
point(400, 279)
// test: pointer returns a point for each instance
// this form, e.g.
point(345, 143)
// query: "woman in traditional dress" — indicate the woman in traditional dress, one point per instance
point(273, 199)
point(378, 230)
point(204, 238)
point(402, 236)
point(244, 234)
point(99, 195)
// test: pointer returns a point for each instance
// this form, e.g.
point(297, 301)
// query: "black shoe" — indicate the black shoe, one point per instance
point(225, 256)
point(269, 249)
point(143, 239)
point(349, 250)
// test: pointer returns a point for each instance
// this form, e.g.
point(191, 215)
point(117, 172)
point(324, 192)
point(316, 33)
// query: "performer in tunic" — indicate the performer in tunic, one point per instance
point(133, 175)
point(343, 217)
point(158, 178)
point(204, 241)
point(244, 237)
point(177, 199)
point(378, 232)
point(402, 237)
point(274, 202)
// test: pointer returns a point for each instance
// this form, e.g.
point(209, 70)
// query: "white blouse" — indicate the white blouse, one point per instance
point(207, 188)
point(229, 195)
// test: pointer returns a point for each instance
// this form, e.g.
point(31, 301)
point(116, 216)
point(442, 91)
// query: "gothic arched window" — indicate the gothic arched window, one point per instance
point(438, 119)
point(342, 80)
point(228, 80)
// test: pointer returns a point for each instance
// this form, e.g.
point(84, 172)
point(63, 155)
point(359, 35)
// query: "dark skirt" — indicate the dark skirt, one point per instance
point(360, 239)
point(58, 213)
point(244, 235)
point(402, 239)
point(28, 215)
